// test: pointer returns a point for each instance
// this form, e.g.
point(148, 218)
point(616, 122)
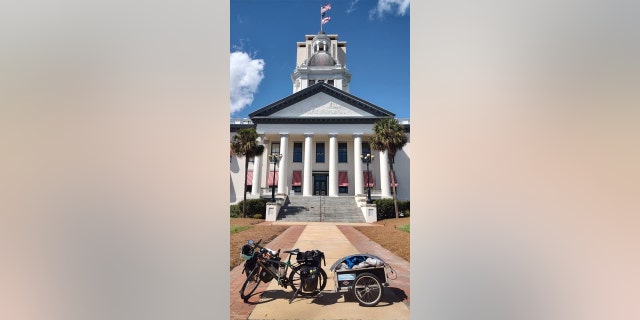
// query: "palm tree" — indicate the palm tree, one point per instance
point(389, 136)
point(245, 145)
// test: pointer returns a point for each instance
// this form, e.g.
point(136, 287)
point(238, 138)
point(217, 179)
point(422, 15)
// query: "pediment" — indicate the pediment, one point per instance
point(320, 102)
point(321, 105)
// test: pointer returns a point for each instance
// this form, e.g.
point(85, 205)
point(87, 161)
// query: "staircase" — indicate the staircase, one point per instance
point(316, 208)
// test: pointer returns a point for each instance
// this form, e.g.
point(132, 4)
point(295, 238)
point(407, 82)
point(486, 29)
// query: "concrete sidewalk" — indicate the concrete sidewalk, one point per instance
point(327, 237)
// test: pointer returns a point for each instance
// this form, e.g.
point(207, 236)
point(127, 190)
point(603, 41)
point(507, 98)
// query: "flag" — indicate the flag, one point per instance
point(325, 8)
point(325, 20)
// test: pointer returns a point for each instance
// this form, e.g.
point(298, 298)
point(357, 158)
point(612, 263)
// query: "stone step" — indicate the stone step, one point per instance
point(335, 209)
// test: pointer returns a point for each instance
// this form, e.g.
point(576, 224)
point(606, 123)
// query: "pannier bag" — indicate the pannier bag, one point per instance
point(246, 252)
point(309, 278)
point(310, 258)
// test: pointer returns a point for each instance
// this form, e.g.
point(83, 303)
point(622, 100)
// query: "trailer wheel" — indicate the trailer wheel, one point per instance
point(367, 289)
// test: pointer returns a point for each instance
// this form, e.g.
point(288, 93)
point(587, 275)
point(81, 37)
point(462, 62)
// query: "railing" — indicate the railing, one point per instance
point(241, 121)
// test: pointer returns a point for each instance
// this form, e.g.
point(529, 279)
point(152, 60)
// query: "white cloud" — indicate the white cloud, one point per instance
point(387, 6)
point(246, 75)
point(351, 6)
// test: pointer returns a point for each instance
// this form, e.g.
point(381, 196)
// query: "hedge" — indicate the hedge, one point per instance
point(235, 211)
point(385, 208)
point(254, 207)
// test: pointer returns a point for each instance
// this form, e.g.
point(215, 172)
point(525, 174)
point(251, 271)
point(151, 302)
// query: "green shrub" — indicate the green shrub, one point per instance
point(386, 210)
point(235, 211)
point(254, 206)
point(258, 216)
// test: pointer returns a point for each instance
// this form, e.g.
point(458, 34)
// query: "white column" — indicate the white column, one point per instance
point(385, 188)
point(333, 165)
point(307, 188)
point(282, 173)
point(357, 164)
point(257, 170)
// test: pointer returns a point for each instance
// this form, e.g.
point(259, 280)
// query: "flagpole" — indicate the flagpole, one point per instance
point(320, 19)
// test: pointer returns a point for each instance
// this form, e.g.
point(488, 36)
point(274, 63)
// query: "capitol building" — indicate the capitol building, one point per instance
point(320, 130)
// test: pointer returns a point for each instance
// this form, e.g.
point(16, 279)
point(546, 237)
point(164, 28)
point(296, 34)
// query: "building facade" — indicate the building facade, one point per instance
point(321, 132)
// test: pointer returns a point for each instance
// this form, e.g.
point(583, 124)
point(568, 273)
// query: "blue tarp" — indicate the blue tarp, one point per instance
point(353, 259)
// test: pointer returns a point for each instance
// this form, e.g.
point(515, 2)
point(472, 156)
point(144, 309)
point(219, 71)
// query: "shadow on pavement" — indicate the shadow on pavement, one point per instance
point(398, 293)
point(271, 295)
point(325, 298)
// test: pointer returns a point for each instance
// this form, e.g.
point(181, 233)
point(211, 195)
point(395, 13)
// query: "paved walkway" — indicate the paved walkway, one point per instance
point(336, 240)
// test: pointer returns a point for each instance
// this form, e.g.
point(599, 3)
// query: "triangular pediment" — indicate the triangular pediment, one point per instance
point(320, 102)
point(321, 105)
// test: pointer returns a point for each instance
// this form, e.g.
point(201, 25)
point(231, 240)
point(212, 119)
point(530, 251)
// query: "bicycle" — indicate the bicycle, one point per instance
point(307, 278)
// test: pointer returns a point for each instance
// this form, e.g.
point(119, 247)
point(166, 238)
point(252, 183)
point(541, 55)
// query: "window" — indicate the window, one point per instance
point(312, 82)
point(320, 81)
point(342, 152)
point(275, 147)
point(320, 152)
point(297, 152)
point(330, 82)
point(343, 182)
point(365, 149)
point(297, 189)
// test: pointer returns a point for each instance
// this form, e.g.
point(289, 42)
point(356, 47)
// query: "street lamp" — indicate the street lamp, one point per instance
point(275, 158)
point(367, 159)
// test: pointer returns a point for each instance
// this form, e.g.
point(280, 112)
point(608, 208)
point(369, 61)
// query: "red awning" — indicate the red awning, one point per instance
point(296, 179)
point(270, 179)
point(368, 179)
point(343, 179)
point(391, 175)
point(250, 178)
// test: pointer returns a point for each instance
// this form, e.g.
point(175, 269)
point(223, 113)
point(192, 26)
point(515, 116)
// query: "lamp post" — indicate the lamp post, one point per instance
point(367, 159)
point(275, 158)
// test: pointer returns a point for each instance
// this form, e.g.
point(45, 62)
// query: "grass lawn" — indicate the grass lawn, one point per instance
point(404, 227)
point(236, 229)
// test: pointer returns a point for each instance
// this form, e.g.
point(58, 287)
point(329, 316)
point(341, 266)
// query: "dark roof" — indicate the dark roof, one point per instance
point(235, 127)
point(262, 115)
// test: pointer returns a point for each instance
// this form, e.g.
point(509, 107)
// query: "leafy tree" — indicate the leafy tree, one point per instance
point(245, 144)
point(389, 136)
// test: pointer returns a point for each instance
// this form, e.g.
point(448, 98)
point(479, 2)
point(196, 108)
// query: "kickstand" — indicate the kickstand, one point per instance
point(294, 295)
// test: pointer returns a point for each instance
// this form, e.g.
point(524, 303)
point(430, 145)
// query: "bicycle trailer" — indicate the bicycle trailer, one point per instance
point(362, 274)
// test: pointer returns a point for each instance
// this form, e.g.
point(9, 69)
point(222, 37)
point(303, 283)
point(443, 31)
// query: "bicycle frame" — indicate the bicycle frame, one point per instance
point(282, 281)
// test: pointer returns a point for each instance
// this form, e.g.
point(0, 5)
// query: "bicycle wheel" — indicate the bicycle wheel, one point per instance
point(295, 282)
point(250, 285)
point(367, 289)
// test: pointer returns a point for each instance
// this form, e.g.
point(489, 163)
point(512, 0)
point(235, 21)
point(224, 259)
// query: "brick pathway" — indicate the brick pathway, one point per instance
point(241, 310)
point(400, 285)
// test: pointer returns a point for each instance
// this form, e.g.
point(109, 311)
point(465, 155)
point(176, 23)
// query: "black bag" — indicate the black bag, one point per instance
point(309, 278)
point(250, 264)
point(310, 258)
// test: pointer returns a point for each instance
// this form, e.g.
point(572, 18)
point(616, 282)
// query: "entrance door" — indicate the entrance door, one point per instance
point(320, 183)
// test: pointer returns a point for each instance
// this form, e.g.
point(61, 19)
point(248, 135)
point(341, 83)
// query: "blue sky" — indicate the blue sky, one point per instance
point(263, 49)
